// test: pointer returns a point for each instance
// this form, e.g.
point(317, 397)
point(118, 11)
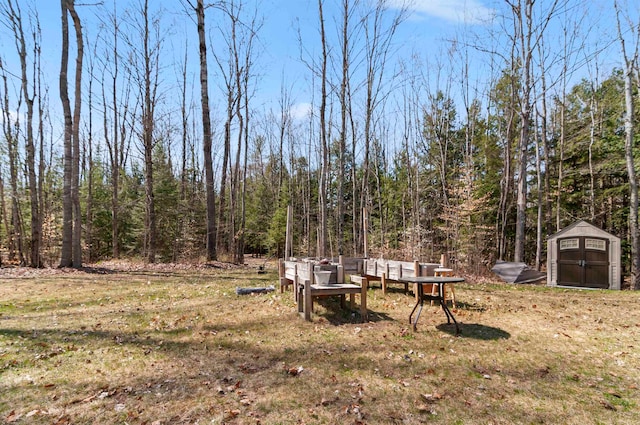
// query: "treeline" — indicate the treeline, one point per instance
point(423, 155)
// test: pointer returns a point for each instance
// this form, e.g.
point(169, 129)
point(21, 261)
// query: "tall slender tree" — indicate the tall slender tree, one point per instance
point(13, 14)
point(13, 221)
point(145, 43)
point(324, 143)
point(206, 133)
point(630, 56)
point(526, 35)
point(76, 244)
point(71, 253)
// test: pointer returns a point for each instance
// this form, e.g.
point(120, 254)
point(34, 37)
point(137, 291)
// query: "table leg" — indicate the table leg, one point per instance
point(419, 303)
point(447, 312)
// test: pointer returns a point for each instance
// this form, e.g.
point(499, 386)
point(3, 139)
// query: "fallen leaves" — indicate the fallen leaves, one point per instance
point(231, 414)
point(432, 398)
point(294, 371)
point(229, 386)
point(426, 404)
point(13, 416)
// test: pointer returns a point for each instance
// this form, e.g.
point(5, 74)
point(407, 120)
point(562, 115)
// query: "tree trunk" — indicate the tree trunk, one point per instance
point(344, 107)
point(88, 150)
point(13, 224)
point(148, 125)
point(206, 132)
point(15, 19)
point(235, 191)
point(66, 259)
point(114, 145)
point(524, 29)
point(633, 182)
point(629, 124)
point(76, 244)
point(324, 148)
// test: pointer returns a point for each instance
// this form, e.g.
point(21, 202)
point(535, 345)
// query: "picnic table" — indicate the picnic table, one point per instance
point(420, 282)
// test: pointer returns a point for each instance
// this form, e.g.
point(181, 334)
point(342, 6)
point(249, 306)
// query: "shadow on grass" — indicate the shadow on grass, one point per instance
point(475, 331)
point(336, 315)
point(98, 270)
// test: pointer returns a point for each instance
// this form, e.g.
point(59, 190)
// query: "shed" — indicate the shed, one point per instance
point(583, 256)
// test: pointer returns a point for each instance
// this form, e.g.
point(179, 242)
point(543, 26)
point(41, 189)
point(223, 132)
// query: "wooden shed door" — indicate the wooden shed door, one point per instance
point(584, 262)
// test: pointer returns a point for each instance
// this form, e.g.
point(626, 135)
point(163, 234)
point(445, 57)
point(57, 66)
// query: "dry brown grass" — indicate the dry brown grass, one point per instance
point(179, 346)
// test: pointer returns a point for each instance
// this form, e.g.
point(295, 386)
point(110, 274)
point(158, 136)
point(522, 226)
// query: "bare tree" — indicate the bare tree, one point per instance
point(630, 57)
point(324, 144)
point(245, 78)
point(527, 33)
point(228, 72)
point(13, 14)
point(206, 132)
point(115, 115)
point(344, 115)
point(13, 225)
point(76, 244)
point(88, 162)
point(379, 31)
point(71, 253)
point(145, 43)
point(3, 210)
point(66, 259)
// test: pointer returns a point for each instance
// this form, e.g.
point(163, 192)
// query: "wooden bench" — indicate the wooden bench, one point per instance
point(303, 276)
point(309, 290)
point(391, 271)
point(358, 279)
point(287, 271)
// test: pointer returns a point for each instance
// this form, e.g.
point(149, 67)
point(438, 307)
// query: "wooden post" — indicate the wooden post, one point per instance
point(281, 274)
point(287, 237)
point(295, 282)
point(383, 278)
point(308, 301)
point(365, 231)
point(363, 300)
point(416, 270)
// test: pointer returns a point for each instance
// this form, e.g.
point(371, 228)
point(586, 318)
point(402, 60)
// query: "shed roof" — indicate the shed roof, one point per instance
point(580, 223)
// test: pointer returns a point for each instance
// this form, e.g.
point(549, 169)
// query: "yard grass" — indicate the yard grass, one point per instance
point(144, 346)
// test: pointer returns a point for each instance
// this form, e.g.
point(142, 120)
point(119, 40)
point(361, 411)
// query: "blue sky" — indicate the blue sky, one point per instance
point(426, 32)
point(430, 21)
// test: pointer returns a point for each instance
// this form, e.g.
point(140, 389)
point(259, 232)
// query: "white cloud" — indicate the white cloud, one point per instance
point(13, 117)
point(300, 111)
point(463, 11)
